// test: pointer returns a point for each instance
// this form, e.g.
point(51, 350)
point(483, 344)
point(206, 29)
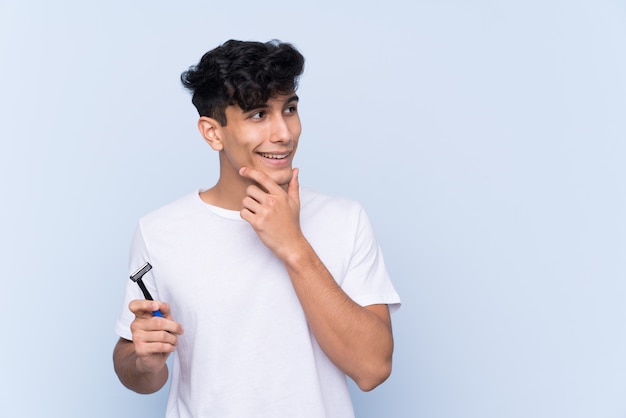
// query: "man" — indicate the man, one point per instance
point(274, 293)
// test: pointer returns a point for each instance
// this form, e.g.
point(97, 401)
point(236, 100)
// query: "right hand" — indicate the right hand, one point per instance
point(154, 338)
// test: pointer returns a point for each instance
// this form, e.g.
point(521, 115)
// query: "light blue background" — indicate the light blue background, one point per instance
point(486, 140)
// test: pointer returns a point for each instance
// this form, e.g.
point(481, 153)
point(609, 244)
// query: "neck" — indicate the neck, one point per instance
point(224, 196)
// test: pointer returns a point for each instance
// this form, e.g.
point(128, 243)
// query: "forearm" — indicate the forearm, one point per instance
point(126, 360)
point(356, 339)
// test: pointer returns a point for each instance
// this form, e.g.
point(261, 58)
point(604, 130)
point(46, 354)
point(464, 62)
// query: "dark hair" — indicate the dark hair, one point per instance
point(244, 73)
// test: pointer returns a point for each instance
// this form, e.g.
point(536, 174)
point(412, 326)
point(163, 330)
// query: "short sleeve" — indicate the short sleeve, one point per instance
point(138, 257)
point(367, 281)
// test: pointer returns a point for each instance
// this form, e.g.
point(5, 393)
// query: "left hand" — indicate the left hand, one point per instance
point(274, 212)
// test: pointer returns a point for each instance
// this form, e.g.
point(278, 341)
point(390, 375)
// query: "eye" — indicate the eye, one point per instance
point(292, 109)
point(258, 115)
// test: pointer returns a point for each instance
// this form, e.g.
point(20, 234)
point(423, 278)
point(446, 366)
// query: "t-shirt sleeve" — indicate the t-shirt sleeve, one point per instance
point(138, 257)
point(367, 281)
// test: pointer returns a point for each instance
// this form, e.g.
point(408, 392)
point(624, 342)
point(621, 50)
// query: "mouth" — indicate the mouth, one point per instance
point(274, 156)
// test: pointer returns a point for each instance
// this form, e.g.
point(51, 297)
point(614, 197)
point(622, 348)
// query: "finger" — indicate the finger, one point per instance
point(147, 321)
point(250, 204)
point(144, 336)
point(263, 179)
point(256, 193)
point(166, 322)
point(143, 308)
point(155, 348)
point(157, 342)
point(164, 307)
point(156, 324)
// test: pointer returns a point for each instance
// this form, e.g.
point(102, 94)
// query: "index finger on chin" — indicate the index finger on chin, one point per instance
point(263, 179)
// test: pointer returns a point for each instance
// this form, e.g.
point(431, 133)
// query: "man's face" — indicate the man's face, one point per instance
point(264, 138)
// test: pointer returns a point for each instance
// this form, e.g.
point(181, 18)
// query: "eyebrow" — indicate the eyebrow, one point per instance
point(293, 98)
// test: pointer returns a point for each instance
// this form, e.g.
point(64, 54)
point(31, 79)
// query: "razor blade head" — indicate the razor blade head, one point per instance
point(139, 273)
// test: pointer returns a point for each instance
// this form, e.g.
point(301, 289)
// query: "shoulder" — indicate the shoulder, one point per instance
point(313, 200)
point(319, 209)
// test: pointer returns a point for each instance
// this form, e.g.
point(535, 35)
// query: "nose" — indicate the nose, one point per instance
point(280, 130)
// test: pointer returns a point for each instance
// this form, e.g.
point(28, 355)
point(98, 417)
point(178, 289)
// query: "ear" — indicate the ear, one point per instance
point(209, 129)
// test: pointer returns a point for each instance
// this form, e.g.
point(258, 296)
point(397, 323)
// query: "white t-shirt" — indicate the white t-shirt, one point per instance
point(247, 350)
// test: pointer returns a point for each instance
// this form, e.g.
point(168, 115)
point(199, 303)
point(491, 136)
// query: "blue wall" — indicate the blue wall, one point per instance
point(485, 139)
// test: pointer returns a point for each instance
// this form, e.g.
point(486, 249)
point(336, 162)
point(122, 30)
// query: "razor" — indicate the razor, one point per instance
point(136, 277)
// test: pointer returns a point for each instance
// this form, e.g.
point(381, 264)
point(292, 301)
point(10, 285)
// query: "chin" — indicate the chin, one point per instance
point(282, 179)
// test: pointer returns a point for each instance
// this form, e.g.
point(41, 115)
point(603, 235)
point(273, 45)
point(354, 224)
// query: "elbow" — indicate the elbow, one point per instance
point(375, 376)
point(377, 369)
